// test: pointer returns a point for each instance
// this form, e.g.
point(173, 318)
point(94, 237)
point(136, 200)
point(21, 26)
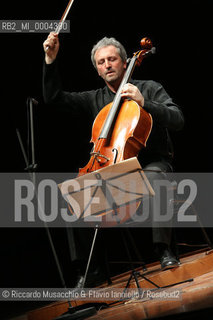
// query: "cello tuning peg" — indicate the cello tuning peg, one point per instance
point(151, 51)
point(128, 60)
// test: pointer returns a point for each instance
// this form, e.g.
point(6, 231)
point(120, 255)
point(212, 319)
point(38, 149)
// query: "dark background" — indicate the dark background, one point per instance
point(180, 31)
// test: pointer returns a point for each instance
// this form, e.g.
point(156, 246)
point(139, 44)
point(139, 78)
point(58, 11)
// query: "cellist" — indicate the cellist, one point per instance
point(110, 61)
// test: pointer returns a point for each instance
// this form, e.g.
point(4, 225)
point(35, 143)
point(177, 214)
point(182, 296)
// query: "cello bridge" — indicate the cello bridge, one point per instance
point(97, 155)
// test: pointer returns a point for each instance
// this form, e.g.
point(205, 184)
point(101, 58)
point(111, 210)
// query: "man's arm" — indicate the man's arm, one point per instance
point(77, 102)
point(51, 47)
point(157, 102)
point(161, 106)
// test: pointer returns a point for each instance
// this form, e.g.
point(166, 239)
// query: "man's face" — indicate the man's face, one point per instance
point(109, 64)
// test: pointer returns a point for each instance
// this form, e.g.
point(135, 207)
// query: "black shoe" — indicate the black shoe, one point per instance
point(168, 260)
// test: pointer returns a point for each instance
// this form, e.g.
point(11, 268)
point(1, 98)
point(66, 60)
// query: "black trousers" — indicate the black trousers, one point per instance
point(80, 239)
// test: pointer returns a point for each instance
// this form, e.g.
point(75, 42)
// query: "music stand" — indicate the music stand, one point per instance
point(106, 186)
point(111, 188)
point(106, 197)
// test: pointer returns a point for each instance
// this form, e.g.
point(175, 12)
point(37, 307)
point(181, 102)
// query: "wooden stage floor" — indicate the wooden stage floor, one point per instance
point(195, 292)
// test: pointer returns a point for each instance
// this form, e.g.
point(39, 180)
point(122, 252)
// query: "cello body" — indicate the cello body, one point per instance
point(131, 129)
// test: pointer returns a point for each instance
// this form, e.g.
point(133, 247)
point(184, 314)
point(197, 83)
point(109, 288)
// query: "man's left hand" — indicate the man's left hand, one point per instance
point(132, 92)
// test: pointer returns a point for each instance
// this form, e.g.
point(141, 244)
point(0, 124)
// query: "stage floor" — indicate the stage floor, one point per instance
point(192, 281)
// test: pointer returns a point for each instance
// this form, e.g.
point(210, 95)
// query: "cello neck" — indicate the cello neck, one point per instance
point(116, 102)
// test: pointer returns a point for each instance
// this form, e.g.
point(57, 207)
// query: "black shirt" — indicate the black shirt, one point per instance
point(165, 113)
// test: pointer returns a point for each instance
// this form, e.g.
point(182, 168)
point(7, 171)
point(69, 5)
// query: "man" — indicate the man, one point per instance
point(109, 58)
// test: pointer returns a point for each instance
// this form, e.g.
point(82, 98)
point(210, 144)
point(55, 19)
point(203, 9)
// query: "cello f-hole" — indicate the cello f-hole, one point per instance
point(116, 154)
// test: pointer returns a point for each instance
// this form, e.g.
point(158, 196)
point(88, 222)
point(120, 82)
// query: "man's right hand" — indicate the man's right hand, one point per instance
point(51, 47)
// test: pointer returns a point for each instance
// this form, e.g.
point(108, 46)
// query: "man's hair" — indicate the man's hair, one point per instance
point(108, 42)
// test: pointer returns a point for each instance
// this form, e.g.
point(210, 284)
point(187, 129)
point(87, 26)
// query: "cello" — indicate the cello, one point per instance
point(119, 131)
point(121, 128)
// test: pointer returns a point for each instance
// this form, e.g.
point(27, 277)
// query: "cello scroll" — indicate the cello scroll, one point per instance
point(147, 49)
